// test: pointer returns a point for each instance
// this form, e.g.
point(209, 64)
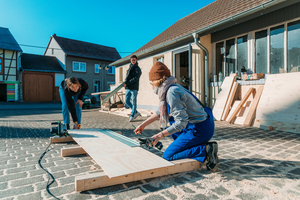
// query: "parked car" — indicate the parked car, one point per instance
point(86, 102)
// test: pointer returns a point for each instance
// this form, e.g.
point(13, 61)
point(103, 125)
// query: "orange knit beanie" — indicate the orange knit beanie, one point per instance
point(158, 71)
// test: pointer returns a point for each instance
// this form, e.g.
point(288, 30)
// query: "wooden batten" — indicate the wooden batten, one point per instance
point(251, 114)
point(98, 180)
point(237, 110)
point(62, 139)
point(72, 151)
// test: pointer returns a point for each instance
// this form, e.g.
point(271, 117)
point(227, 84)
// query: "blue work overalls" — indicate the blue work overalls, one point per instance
point(190, 142)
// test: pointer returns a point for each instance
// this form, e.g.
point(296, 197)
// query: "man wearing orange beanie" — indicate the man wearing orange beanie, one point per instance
point(191, 125)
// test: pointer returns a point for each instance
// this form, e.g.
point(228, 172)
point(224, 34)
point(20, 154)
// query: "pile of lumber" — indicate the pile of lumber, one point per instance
point(274, 106)
point(234, 107)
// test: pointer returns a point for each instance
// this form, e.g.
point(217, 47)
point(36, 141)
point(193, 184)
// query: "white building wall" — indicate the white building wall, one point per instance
point(57, 52)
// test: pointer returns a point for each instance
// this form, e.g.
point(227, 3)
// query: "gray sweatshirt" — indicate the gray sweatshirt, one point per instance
point(184, 108)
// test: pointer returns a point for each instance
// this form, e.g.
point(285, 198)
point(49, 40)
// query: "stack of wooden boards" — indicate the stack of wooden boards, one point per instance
point(275, 105)
point(122, 159)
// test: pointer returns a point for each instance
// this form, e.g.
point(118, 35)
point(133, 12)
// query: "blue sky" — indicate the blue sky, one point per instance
point(125, 25)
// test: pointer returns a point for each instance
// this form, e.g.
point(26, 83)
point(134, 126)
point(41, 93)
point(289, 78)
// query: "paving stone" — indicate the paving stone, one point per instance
point(77, 171)
point(8, 166)
point(221, 191)
point(81, 196)
point(66, 180)
point(20, 169)
point(174, 180)
point(249, 196)
point(152, 188)
point(31, 196)
point(16, 191)
point(129, 194)
point(26, 181)
point(61, 190)
point(154, 197)
point(134, 183)
point(3, 186)
point(13, 176)
point(169, 195)
point(187, 190)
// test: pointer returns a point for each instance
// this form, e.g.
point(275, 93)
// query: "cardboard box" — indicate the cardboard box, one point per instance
point(254, 76)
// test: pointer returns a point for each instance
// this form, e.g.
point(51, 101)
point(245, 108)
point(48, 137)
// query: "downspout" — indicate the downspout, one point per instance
point(205, 68)
point(190, 67)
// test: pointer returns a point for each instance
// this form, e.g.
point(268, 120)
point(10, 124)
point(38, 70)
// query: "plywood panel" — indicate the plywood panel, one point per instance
point(233, 107)
point(279, 105)
point(114, 157)
point(222, 97)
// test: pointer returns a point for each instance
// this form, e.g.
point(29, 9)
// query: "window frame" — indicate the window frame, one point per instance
point(2, 66)
point(111, 67)
point(78, 66)
point(97, 68)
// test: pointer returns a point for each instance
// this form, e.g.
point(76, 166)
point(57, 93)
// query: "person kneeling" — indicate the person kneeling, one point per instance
point(191, 125)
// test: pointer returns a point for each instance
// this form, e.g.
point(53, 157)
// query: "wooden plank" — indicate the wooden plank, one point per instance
point(243, 113)
point(72, 151)
point(222, 97)
point(233, 116)
point(112, 93)
point(229, 101)
point(98, 180)
point(234, 106)
point(115, 157)
point(62, 139)
point(279, 105)
point(251, 114)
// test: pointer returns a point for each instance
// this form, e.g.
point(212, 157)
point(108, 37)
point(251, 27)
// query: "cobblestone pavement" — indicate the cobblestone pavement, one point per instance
point(254, 163)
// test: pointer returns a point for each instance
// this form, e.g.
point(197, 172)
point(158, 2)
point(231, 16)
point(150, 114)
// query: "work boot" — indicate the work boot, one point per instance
point(211, 155)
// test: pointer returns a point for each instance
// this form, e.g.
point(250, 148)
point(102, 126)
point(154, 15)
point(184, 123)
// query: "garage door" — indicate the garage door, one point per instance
point(38, 88)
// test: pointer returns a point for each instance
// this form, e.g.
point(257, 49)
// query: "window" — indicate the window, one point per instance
point(242, 54)
point(109, 83)
point(1, 65)
point(111, 70)
point(220, 58)
point(161, 59)
point(277, 50)
point(230, 57)
point(261, 52)
point(96, 68)
point(52, 51)
point(293, 47)
point(121, 74)
point(79, 66)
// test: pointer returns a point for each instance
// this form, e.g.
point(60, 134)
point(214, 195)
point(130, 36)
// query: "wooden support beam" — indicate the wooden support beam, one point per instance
point(98, 180)
point(250, 116)
point(233, 116)
point(229, 101)
point(72, 151)
point(62, 139)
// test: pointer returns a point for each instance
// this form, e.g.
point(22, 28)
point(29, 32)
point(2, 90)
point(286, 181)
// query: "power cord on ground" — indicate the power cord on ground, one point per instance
point(49, 174)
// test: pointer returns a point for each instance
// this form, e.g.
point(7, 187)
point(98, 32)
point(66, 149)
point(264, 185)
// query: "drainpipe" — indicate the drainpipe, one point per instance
point(190, 67)
point(205, 68)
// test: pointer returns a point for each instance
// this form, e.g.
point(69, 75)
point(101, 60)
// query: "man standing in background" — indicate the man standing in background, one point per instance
point(131, 85)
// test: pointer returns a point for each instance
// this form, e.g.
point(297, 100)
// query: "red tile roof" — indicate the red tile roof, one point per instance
point(204, 17)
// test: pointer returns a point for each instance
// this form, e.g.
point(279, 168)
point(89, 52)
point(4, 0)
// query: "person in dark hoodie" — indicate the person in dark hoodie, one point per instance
point(71, 93)
point(131, 85)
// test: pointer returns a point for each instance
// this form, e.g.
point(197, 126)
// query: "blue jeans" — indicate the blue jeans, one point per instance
point(190, 142)
point(64, 107)
point(130, 100)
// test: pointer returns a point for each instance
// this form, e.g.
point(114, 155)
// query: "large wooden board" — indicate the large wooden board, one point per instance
point(114, 157)
point(279, 105)
point(229, 101)
point(222, 97)
point(112, 93)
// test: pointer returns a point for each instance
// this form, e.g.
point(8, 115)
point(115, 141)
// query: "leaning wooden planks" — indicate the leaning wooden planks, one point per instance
point(279, 104)
point(222, 97)
point(115, 157)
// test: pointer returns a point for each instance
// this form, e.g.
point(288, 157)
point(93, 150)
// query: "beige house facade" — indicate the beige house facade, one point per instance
point(224, 37)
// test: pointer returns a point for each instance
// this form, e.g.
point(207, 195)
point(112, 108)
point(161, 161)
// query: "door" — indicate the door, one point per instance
point(182, 68)
point(97, 88)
